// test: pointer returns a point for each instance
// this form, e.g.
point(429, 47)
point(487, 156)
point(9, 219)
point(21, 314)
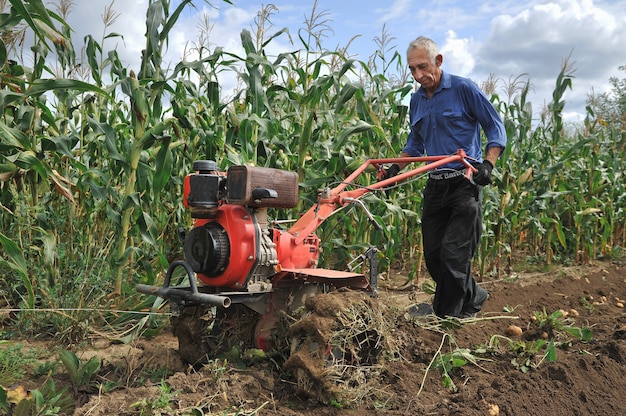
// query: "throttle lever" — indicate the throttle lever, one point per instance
point(367, 211)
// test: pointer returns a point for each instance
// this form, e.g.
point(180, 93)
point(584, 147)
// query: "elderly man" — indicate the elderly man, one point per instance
point(447, 113)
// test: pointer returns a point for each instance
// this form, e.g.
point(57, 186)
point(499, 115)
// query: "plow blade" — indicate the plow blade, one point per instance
point(334, 278)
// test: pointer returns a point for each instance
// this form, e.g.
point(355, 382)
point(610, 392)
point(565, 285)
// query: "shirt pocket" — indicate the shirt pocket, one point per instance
point(452, 123)
point(451, 114)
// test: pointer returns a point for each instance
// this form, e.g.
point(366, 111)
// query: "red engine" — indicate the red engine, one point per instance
point(231, 244)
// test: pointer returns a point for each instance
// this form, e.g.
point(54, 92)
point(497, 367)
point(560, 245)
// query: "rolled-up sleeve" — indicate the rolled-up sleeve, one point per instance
point(488, 118)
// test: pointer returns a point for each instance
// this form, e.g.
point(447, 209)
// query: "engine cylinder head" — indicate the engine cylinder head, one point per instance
point(205, 166)
point(204, 189)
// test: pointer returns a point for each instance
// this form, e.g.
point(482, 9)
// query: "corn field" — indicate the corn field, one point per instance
point(93, 154)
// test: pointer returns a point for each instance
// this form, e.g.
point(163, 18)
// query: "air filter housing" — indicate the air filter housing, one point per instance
point(246, 185)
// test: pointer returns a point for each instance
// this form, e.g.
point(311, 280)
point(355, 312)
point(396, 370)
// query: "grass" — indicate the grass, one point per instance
point(15, 361)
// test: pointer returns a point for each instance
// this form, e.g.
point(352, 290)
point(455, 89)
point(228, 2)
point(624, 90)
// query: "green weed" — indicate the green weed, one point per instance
point(15, 361)
point(525, 353)
point(555, 323)
point(450, 361)
point(81, 374)
point(159, 405)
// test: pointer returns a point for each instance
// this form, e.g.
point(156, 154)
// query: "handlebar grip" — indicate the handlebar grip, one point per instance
point(376, 224)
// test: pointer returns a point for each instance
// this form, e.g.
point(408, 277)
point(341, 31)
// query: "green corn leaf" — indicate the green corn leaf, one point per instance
point(147, 229)
point(34, 13)
point(110, 139)
point(15, 256)
point(169, 24)
point(7, 97)
point(346, 93)
point(29, 161)
point(560, 233)
point(15, 138)
point(358, 127)
point(92, 49)
point(17, 263)
point(41, 86)
point(163, 166)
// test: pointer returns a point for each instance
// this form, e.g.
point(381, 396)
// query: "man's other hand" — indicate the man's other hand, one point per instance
point(482, 176)
point(392, 171)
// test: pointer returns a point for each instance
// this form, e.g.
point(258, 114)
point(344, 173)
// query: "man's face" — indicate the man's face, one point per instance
point(423, 70)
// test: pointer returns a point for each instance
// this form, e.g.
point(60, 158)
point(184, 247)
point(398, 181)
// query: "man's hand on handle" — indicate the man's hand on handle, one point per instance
point(482, 176)
point(391, 171)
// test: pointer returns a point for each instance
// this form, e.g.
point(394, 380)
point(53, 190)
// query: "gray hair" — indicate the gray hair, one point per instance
point(427, 44)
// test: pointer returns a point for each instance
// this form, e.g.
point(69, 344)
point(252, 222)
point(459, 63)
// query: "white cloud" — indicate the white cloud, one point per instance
point(398, 9)
point(86, 18)
point(457, 57)
point(537, 41)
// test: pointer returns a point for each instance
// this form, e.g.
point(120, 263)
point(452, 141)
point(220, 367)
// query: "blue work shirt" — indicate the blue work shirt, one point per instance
point(451, 120)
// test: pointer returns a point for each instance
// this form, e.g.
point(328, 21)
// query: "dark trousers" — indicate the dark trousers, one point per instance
point(451, 228)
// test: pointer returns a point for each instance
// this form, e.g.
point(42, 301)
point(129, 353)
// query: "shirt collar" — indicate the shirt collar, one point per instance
point(446, 82)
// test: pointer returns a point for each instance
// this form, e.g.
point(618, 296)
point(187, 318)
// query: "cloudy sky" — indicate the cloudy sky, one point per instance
point(506, 38)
